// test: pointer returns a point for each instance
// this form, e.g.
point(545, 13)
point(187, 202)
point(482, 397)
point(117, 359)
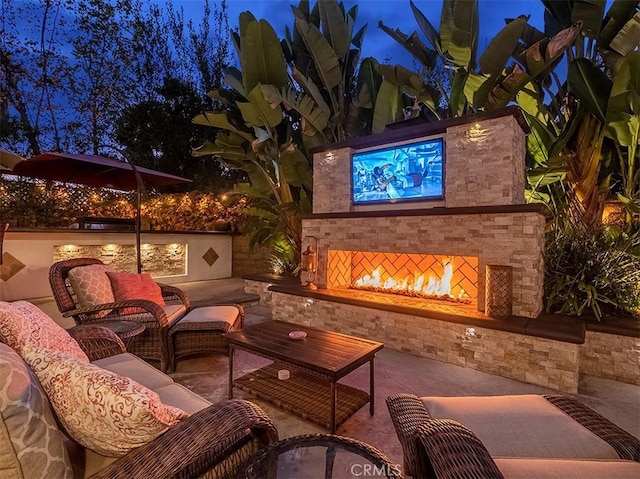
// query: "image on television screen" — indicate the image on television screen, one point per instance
point(406, 172)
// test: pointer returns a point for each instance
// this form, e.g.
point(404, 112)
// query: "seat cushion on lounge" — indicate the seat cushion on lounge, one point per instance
point(31, 445)
point(133, 367)
point(521, 426)
point(92, 287)
point(179, 396)
point(23, 324)
point(527, 468)
point(224, 315)
point(174, 312)
point(103, 411)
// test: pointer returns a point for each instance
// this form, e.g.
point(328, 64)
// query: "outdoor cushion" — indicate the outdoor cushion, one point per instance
point(174, 312)
point(30, 443)
point(175, 394)
point(521, 426)
point(208, 314)
point(135, 286)
point(92, 287)
point(24, 324)
point(527, 468)
point(133, 367)
point(103, 411)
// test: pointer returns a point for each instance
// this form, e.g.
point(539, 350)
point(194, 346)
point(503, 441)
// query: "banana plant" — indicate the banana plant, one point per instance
point(495, 83)
point(594, 125)
point(287, 97)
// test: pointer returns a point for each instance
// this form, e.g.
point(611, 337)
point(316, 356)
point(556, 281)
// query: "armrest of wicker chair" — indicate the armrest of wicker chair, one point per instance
point(169, 291)
point(408, 413)
point(452, 451)
point(220, 439)
point(97, 341)
point(156, 310)
point(626, 445)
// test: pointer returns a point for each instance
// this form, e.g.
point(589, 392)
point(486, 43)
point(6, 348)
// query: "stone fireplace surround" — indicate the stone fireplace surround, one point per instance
point(482, 215)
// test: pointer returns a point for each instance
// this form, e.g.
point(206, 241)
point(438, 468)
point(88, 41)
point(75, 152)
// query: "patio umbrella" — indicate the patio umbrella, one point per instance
point(91, 170)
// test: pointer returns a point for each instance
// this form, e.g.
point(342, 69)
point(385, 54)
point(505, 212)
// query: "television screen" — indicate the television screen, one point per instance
point(410, 172)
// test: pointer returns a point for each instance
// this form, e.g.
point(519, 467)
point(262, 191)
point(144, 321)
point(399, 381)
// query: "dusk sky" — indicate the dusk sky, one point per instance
point(393, 13)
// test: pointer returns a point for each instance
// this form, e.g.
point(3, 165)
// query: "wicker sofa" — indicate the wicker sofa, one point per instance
point(214, 440)
point(510, 436)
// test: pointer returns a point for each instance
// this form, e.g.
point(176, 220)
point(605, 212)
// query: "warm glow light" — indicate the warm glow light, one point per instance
point(418, 285)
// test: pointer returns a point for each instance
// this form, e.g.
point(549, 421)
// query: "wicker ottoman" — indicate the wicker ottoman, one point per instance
point(202, 330)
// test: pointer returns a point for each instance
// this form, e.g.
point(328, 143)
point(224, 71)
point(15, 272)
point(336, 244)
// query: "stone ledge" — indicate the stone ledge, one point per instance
point(568, 330)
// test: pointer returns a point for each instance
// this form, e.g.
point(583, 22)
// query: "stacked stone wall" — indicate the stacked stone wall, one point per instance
point(514, 239)
point(246, 261)
point(485, 163)
point(611, 356)
point(553, 364)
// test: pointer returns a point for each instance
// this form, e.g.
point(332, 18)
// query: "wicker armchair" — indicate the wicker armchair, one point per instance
point(156, 343)
point(445, 448)
point(216, 441)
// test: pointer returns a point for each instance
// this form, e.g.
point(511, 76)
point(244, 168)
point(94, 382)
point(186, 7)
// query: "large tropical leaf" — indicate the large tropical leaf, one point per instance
point(457, 100)
point(261, 56)
point(220, 120)
point(464, 33)
point(295, 167)
point(560, 10)
point(498, 52)
point(590, 13)
point(369, 75)
point(620, 12)
point(628, 38)
point(310, 88)
point(505, 91)
point(477, 89)
point(324, 58)
point(334, 27)
point(413, 45)
point(388, 108)
point(315, 120)
point(591, 85)
point(427, 28)
point(260, 112)
point(411, 83)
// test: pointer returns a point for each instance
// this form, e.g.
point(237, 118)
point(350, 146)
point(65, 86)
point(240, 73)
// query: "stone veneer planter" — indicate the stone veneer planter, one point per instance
point(531, 355)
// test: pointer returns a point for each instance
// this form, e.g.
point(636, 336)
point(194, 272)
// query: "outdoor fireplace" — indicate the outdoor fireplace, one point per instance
point(422, 276)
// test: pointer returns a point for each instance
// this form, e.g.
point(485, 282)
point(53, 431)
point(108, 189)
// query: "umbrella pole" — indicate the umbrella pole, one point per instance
point(138, 225)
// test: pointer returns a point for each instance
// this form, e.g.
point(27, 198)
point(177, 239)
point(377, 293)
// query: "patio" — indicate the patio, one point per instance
point(395, 372)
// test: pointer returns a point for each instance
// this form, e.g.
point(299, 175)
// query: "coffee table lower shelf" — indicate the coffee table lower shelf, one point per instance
point(304, 395)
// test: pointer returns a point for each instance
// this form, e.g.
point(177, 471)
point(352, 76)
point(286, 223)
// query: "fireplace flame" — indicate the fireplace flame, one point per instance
point(418, 285)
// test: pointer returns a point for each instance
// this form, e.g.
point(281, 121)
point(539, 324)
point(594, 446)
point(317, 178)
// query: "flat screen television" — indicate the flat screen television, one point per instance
point(407, 172)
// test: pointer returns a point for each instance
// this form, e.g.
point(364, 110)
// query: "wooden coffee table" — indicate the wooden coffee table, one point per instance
point(316, 363)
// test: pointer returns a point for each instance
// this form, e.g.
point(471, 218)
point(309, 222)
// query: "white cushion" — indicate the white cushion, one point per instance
point(521, 426)
point(133, 367)
point(179, 396)
point(527, 468)
point(228, 314)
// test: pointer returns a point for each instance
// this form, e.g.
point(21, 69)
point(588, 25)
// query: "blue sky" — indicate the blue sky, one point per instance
point(393, 13)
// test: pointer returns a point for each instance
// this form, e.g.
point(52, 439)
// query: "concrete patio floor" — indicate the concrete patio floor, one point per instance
point(396, 372)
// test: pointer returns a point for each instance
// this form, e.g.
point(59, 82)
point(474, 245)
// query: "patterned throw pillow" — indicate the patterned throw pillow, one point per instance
point(23, 324)
point(92, 287)
point(32, 446)
point(103, 411)
point(135, 286)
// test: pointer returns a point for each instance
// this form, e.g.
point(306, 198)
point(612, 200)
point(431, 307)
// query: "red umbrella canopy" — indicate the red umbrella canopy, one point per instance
point(91, 170)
